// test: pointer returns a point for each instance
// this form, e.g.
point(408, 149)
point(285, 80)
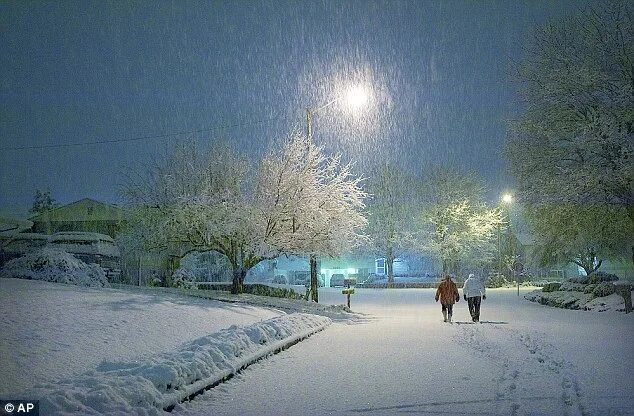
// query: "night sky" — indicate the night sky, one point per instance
point(137, 76)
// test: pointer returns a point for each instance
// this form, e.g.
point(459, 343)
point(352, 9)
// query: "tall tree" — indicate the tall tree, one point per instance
point(585, 235)
point(296, 201)
point(454, 224)
point(391, 209)
point(573, 144)
point(319, 198)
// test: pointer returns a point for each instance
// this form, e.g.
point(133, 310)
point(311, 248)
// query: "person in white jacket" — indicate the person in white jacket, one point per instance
point(473, 292)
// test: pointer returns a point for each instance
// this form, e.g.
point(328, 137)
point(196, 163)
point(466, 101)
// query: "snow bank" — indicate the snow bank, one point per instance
point(571, 299)
point(148, 387)
point(612, 302)
point(53, 265)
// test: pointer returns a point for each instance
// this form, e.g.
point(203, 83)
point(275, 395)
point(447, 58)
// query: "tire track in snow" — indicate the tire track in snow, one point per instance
point(531, 348)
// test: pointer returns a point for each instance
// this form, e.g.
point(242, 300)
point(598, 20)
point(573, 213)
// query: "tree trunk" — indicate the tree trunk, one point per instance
point(389, 260)
point(237, 285)
point(589, 266)
point(314, 294)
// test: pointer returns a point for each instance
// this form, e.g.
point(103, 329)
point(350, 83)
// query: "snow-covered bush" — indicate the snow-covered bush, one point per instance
point(275, 292)
point(560, 299)
point(604, 289)
point(589, 288)
point(551, 287)
point(579, 279)
point(54, 265)
point(184, 278)
point(572, 287)
point(496, 280)
point(598, 277)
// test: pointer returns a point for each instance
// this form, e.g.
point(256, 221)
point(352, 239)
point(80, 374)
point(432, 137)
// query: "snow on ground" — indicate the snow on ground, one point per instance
point(524, 359)
point(52, 331)
point(161, 382)
point(395, 357)
point(54, 265)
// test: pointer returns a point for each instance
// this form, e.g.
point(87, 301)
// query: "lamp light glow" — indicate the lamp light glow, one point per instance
point(357, 97)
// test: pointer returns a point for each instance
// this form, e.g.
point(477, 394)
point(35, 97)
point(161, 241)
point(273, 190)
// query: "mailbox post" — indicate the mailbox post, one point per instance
point(348, 290)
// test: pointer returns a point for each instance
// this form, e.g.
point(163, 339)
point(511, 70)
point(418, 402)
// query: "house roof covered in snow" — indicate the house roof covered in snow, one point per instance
point(83, 210)
point(9, 225)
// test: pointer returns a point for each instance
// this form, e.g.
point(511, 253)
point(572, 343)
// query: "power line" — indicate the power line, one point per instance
point(139, 138)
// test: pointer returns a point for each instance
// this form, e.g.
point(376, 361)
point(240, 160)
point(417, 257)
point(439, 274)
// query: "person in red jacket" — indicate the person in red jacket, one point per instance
point(448, 294)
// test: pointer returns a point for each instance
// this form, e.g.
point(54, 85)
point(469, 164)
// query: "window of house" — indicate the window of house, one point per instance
point(380, 266)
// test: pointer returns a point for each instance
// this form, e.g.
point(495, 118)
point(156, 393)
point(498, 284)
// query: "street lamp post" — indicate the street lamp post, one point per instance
point(356, 97)
point(507, 200)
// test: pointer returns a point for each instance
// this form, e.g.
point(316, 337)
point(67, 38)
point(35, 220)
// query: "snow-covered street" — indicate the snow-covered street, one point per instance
point(395, 356)
point(524, 359)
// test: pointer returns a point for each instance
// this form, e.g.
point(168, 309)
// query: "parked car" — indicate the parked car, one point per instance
point(302, 278)
point(95, 248)
point(280, 279)
point(337, 279)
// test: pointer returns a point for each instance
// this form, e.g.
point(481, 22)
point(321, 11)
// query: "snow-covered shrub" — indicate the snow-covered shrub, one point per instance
point(604, 289)
point(53, 265)
point(559, 299)
point(572, 287)
point(275, 292)
point(598, 277)
point(579, 279)
point(589, 288)
point(496, 280)
point(184, 278)
point(551, 287)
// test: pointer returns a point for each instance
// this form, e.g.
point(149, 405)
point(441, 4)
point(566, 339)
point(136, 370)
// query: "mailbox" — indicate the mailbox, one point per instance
point(348, 290)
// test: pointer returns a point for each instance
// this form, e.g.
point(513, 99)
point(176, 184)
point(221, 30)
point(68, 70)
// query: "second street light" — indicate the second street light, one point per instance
point(355, 98)
point(507, 199)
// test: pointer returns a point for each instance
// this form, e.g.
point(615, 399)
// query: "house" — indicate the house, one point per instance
point(10, 225)
point(297, 269)
point(83, 215)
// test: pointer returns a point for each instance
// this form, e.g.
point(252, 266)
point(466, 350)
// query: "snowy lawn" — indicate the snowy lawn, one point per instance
point(524, 359)
point(52, 331)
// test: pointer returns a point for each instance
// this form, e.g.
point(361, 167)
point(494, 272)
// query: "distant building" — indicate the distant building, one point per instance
point(83, 215)
point(10, 225)
point(297, 269)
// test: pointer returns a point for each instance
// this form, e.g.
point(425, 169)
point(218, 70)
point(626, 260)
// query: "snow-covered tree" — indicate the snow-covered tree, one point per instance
point(296, 201)
point(454, 224)
point(391, 209)
point(574, 142)
point(316, 197)
point(42, 202)
point(583, 234)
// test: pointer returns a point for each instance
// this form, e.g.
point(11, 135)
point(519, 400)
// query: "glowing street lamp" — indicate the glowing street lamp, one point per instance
point(356, 97)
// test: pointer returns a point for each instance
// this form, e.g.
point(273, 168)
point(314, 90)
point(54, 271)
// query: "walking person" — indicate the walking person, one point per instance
point(448, 294)
point(473, 292)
